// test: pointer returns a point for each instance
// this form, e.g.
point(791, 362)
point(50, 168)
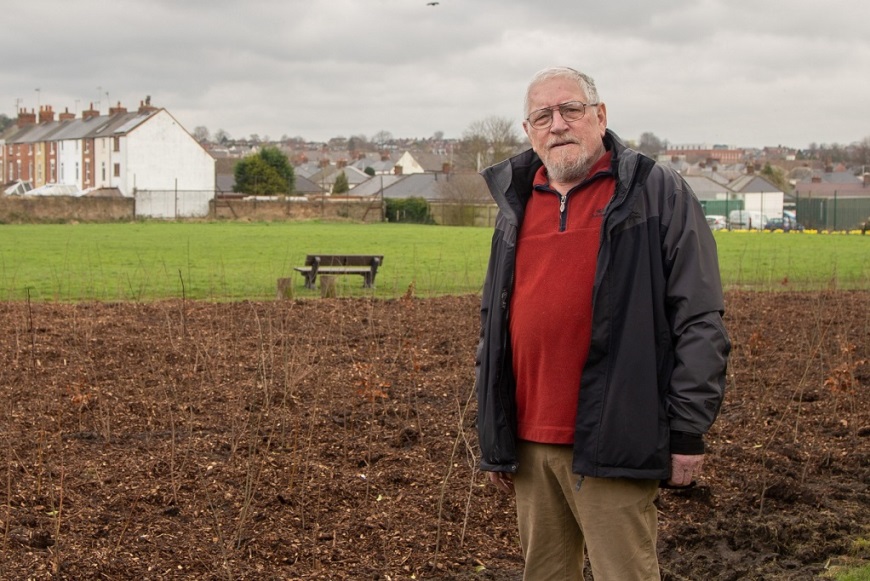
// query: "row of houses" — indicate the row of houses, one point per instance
point(103, 154)
point(147, 154)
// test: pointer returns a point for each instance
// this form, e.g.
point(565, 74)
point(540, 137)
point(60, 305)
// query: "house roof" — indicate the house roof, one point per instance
point(830, 190)
point(430, 162)
point(706, 188)
point(417, 185)
point(373, 186)
point(838, 177)
point(752, 183)
point(379, 166)
point(328, 175)
point(99, 126)
point(306, 186)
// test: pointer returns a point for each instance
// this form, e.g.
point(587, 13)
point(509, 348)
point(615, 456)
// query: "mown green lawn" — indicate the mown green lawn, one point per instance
point(238, 260)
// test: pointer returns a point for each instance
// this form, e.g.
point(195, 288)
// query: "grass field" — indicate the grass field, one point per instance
point(235, 260)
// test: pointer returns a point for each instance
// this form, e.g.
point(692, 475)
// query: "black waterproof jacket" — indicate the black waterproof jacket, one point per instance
point(655, 375)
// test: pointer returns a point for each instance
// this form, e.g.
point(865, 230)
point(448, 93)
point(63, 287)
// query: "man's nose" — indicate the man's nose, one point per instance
point(559, 125)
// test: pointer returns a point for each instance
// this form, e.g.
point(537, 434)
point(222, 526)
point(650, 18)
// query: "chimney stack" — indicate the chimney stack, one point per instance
point(66, 115)
point(445, 167)
point(117, 109)
point(90, 113)
point(25, 119)
point(46, 114)
point(397, 170)
point(145, 106)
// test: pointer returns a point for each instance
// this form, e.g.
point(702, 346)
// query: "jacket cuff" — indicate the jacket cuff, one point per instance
point(686, 443)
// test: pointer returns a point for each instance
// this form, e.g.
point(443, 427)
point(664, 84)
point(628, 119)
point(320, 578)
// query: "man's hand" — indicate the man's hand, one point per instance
point(685, 469)
point(504, 481)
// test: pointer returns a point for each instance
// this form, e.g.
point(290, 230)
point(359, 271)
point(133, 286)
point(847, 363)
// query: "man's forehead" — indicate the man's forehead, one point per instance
point(551, 92)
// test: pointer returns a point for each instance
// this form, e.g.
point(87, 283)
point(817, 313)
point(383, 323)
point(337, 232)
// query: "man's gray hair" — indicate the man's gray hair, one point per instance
point(585, 82)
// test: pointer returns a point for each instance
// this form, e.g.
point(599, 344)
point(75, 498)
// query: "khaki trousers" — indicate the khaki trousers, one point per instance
point(613, 519)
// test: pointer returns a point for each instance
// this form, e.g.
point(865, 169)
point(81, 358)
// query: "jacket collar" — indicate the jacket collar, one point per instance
point(510, 181)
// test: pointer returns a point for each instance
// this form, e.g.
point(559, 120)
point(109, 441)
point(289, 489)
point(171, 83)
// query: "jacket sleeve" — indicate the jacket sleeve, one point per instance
point(695, 306)
point(495, 405)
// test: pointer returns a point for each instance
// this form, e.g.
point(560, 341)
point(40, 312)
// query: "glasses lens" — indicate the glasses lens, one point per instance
point(541, 119)
point(572, 111)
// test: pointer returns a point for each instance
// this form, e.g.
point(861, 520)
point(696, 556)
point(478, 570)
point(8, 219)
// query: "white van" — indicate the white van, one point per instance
point(746, 220)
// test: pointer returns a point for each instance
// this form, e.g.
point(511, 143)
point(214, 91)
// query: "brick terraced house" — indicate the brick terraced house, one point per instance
point(146, 149)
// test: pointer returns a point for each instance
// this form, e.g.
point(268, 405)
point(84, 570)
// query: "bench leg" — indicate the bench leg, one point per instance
point(309, 279)
point(368, 279)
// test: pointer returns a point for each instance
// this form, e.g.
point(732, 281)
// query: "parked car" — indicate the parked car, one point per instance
point(716, 222)
point(785, 224)
point(746, 220)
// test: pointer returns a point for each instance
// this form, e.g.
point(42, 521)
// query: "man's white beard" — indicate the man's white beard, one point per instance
point(566, 165)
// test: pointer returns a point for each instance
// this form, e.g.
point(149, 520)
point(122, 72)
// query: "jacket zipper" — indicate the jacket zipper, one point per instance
point(563, 216)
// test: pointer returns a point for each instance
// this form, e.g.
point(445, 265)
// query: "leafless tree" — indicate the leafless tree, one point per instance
point(487, 142)
point(201, 134)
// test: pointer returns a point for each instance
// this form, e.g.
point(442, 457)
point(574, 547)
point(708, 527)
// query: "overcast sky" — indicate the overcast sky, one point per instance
point(735, 72)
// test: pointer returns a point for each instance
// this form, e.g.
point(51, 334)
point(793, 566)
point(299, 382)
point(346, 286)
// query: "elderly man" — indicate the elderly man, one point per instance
point(602, 352)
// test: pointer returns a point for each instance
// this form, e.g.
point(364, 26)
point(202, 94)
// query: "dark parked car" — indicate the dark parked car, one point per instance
point(785, 224)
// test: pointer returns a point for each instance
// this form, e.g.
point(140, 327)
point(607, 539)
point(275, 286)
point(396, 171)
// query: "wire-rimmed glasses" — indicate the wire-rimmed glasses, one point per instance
point(569, 110)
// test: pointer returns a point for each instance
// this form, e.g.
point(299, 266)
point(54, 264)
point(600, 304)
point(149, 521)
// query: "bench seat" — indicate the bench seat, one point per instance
point(365, 265)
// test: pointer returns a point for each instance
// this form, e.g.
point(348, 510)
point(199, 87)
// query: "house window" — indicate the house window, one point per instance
point(53, 176)
point(117, 170)
point(77, 171)
point(117, 144)
point(103, 168)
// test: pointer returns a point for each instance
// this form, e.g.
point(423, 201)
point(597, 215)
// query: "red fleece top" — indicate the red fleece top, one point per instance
point(551, 307)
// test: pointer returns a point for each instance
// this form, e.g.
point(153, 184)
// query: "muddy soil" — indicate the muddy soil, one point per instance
point(334, 439)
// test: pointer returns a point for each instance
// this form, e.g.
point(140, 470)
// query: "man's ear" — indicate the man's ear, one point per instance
point(601, 112)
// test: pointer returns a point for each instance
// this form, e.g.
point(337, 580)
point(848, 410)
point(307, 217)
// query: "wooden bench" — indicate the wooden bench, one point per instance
point(365, 265)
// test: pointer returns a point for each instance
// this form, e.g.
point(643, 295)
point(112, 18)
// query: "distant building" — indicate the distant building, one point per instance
point(123, 151)
point(693, 153)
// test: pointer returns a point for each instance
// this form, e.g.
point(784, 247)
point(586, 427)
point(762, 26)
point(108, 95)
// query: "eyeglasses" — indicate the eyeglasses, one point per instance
point(570, 111)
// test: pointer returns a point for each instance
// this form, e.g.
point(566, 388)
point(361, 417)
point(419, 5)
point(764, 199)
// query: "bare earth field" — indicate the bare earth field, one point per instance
point(334, 439)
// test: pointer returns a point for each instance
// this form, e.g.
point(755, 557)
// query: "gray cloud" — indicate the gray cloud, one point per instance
point(710, 71)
